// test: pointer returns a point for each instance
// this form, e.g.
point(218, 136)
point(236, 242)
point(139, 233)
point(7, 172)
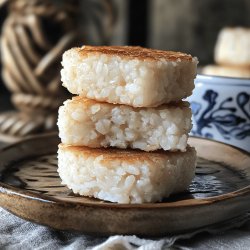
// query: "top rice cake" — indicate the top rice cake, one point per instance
point(134, 76)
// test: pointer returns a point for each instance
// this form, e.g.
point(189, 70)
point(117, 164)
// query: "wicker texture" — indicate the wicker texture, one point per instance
point(31, 59)
point(34, 36)
point(15, 125)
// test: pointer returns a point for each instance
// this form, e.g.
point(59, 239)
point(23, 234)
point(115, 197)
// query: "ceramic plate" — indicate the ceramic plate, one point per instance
point(30, 188)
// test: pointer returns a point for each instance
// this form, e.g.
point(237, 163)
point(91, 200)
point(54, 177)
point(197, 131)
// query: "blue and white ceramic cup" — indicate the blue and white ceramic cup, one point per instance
point(221, 110)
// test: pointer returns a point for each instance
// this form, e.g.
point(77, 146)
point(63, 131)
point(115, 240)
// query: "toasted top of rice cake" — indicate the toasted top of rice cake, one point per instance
point(127, 155)
point(134, 76)
point(134, 52)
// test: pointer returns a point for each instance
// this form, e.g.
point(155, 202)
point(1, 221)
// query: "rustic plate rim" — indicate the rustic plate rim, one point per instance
point(10, 190)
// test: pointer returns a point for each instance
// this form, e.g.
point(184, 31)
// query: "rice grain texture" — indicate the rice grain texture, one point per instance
point(85, 122)
point(134, 76)
point(125, 176)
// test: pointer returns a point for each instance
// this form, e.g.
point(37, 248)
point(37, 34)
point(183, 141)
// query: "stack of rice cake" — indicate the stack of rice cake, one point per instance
point(124, 138)
point(231, 54)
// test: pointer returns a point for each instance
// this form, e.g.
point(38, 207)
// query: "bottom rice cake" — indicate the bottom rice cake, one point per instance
point(85, 122)
point(125, 176)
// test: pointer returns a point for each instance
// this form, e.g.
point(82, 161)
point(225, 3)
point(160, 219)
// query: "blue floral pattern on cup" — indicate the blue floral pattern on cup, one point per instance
point(225, 123)
point(221, 111)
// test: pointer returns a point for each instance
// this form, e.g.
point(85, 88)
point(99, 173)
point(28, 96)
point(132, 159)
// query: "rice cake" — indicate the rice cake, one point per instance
point(85, 122)
point(125, 176)
point(227, 71)
point(129, 75)
point(233, 47)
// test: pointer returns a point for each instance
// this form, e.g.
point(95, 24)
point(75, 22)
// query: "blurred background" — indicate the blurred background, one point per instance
point(184, 25)
point(181, 25)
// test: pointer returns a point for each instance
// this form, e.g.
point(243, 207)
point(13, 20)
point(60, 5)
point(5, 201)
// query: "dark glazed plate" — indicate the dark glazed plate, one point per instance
point(30, 188)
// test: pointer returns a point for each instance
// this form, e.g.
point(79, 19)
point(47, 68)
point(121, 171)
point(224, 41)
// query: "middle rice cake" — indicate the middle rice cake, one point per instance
point(85, 122)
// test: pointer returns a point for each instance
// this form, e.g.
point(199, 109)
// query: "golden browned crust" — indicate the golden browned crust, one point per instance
point(89, 102)
point(134, 52)
point(128, 155)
